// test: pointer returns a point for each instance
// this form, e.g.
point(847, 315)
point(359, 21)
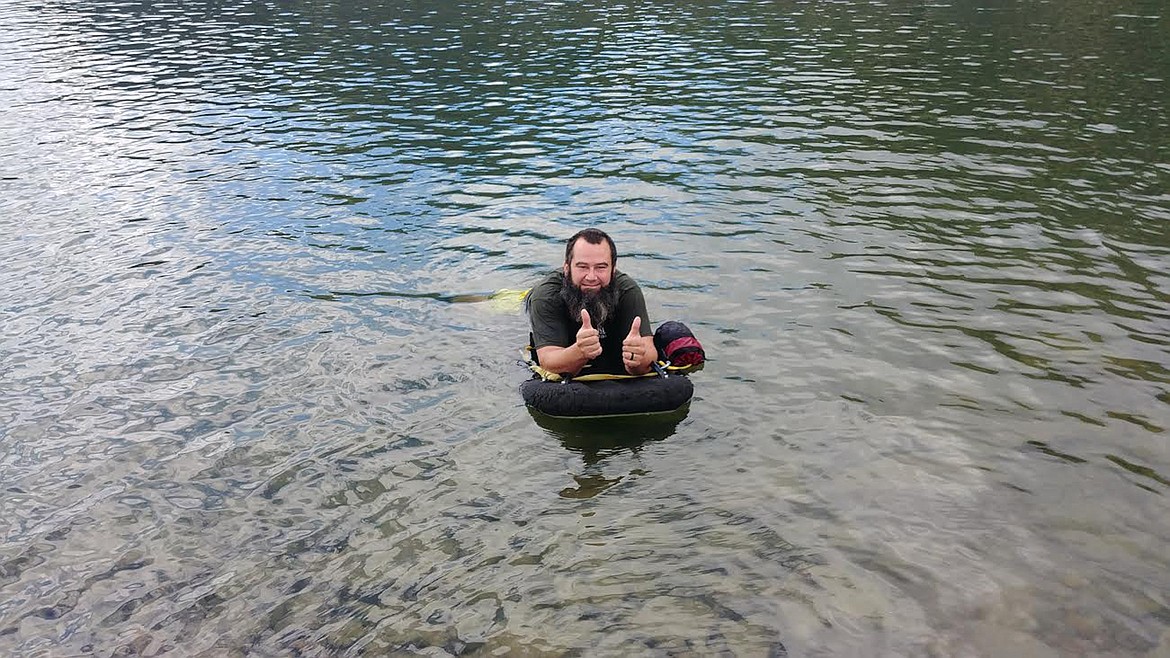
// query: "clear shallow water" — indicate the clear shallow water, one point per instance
point(253, 404)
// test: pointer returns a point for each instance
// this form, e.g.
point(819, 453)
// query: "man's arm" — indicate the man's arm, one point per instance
point(562, 360)
point(570, 360)
point(638, 348)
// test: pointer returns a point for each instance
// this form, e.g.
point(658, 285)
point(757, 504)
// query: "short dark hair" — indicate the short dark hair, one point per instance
point(592, 236)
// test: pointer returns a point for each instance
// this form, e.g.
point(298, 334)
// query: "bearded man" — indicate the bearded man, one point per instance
point(588, 317)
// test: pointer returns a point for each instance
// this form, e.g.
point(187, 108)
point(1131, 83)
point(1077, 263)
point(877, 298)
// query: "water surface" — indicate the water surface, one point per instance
point(256, 400)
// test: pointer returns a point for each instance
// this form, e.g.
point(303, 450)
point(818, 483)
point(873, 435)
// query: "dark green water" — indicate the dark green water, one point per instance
point(253, 402)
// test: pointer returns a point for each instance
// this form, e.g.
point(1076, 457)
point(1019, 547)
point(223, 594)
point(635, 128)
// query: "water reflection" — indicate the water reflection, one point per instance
point(597, 439)
point(596, 436)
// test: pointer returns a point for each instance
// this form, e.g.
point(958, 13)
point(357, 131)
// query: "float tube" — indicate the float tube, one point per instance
point(664, 390)
point(621, 396)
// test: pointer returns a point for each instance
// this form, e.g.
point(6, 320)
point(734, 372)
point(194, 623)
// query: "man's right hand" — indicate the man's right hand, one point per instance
point(588, 340)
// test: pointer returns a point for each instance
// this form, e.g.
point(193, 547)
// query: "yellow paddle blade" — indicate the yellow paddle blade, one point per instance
point(507, 300)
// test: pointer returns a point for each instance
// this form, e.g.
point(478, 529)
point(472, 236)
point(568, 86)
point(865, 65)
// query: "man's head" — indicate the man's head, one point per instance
point(590, 256)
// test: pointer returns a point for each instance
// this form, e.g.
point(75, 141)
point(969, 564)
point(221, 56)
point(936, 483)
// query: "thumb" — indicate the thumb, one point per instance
point(585, 324)
point(636, 327)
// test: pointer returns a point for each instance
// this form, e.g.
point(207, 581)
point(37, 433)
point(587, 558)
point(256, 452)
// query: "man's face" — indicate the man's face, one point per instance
point(590, 269)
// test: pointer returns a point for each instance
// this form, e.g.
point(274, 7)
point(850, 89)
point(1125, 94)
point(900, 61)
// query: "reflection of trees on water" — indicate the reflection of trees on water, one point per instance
point(1037, 85)
point(402, 56)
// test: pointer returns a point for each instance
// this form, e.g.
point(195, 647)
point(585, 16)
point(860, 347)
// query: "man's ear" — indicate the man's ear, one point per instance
point(565, 269)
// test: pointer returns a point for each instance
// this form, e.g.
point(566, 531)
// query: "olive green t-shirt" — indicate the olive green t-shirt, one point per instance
point(551, 324)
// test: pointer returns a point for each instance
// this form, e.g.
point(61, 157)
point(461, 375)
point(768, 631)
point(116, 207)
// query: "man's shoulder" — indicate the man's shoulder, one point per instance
point(550, 282)
point(624, 282)
point(549, 286)
point(547, 314)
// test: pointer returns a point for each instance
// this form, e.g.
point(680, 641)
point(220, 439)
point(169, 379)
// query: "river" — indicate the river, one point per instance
point(259, 394)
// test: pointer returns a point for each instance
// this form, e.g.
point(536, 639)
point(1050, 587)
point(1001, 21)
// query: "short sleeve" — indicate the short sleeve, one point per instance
point(547, 317)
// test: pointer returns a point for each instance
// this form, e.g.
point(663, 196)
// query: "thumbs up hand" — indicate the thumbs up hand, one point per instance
point(588, 341)
point(634, 348)
point(635, 328)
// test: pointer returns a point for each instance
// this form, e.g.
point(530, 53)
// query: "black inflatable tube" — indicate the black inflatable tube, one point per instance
point(611, 397)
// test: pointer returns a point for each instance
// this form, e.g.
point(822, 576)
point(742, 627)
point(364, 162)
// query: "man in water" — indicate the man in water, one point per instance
point(588, 317)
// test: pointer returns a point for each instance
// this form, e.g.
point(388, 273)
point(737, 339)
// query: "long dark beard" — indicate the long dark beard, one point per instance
point(601, 305)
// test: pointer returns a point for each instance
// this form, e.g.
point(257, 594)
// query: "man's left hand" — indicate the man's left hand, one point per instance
point(634, 349)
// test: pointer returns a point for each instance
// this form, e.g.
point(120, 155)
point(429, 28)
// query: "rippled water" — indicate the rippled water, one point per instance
point(256, 398)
